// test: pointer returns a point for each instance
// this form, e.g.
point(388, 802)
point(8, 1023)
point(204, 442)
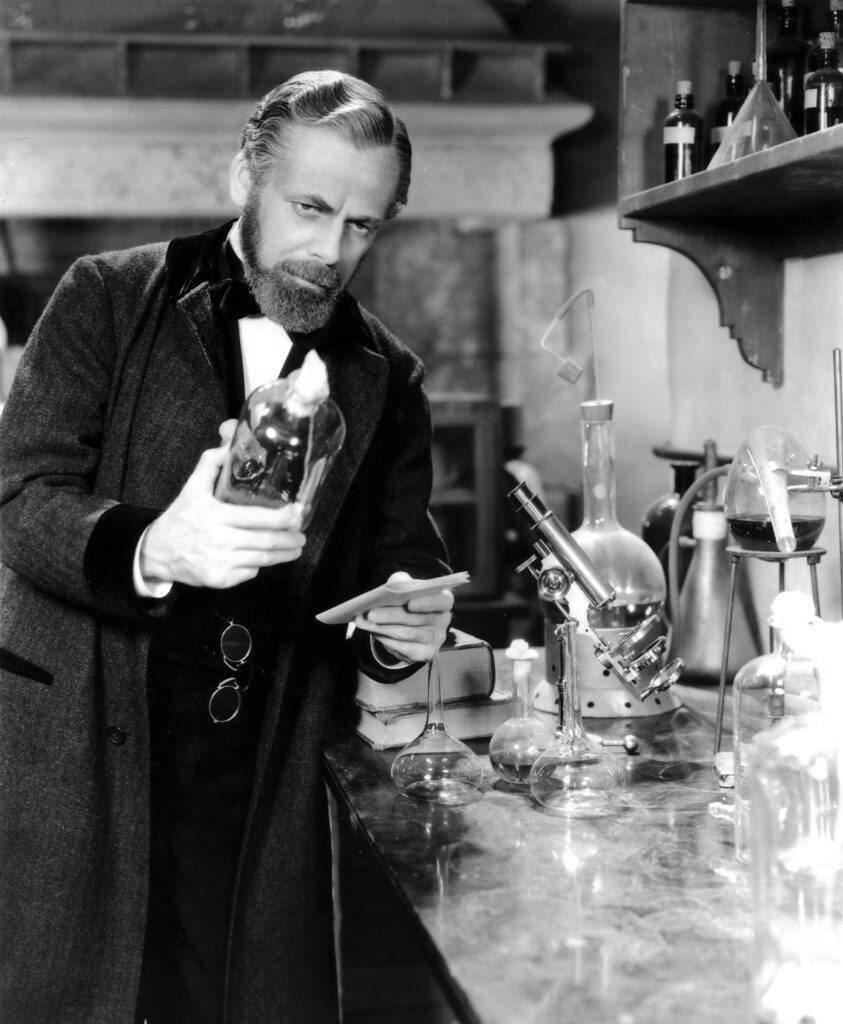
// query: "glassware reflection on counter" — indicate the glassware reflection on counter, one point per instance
point(516, 743)
point(286, 439)
point(767, 690)
point(436, 767)
point(574, 777)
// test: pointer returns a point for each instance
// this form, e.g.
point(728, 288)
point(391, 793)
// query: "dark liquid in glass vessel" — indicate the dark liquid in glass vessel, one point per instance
point(755, 533)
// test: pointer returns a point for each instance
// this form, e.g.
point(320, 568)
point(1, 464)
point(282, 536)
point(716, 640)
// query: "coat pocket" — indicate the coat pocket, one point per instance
point(18, 666)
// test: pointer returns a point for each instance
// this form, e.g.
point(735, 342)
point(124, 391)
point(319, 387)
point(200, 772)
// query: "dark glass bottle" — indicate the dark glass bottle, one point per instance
point(658, 516)
point(824, 89)
point(683, 136)
point(786, 65)
point(834, 23)
point(725, 109)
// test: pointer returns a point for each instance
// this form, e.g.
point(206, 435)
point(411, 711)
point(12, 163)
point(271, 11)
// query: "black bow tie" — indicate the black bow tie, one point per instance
point(235, 300)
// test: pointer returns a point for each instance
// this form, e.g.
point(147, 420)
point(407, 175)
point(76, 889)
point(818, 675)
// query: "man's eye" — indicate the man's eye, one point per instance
point(362, 228)
point(307, 208)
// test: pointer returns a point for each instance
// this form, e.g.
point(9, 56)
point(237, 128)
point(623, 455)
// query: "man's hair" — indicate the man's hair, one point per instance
point(326, 98)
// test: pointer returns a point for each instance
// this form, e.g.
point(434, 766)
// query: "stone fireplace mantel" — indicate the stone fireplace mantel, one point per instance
point(96, 158)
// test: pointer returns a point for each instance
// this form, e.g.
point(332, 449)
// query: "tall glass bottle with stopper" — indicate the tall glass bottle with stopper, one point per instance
point(824, 88)
point(574, 777)
point(726, 109)
point(768, 690)
point(436, 767)
point(629, 564)
point(683, 136)
point(834, 23)
point(516, 743)
point(786, 64)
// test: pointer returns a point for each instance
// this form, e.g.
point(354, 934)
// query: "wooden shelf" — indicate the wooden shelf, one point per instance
point(739, 222)
point(212, 65)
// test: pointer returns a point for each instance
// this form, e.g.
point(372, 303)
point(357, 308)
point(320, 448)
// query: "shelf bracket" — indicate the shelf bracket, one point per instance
point(747, 280)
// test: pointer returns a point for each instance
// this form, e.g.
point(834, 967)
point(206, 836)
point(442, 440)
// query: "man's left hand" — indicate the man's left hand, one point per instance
point(414, 631)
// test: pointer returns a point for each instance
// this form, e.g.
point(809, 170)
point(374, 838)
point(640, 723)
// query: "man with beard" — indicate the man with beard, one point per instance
point(159, 864)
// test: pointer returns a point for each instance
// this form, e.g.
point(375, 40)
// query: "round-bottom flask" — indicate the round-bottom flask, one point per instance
point(436, 767)
point(574, 777)
point(516, 743)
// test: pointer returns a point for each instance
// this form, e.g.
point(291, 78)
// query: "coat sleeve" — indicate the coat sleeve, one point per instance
point(51, 436)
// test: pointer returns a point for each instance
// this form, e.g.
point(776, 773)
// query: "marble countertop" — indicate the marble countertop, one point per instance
point(642, 917)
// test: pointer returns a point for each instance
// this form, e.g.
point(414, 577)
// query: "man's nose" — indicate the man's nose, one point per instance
point(326, 241)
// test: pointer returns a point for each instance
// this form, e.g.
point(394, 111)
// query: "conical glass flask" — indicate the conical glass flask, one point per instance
point(516, 743)
point(760, 123)
point(436, 767)
point(574, 777)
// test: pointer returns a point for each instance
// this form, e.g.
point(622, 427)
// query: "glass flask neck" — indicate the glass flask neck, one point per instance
point(599, 497)
point(435, 711)
point(522, 688)
point(570, 711)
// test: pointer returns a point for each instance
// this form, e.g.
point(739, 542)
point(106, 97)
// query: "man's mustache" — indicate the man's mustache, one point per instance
point(310, 270)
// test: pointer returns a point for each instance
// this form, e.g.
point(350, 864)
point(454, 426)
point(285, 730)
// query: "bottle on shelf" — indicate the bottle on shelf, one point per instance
point(824, 89)
point(683, 136)
point(834, 23)
point(726, 108)
point(786, 65)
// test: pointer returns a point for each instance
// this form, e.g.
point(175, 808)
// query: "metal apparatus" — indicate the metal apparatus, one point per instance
point(559, 562)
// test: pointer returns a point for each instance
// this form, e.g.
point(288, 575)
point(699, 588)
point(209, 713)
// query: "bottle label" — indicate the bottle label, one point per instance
point(811, 98)
point(679, 134)
point(718, 132)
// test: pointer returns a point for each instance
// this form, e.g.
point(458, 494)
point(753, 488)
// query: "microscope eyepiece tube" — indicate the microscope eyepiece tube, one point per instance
point(548, 526)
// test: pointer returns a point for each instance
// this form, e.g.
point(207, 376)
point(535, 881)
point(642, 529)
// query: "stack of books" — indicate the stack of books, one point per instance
point(393, 714)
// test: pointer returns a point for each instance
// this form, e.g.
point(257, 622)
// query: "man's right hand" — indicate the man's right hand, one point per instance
point(204, 542)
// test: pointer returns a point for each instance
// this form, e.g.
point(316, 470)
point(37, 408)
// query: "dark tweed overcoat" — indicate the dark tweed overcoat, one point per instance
point(118, 392)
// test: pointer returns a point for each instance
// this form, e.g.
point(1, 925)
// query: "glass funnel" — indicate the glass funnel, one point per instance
point(286, 439)
point(761, 122)
point(516, 743)
point(769, 502)
point(574, 777)
point(436, 767)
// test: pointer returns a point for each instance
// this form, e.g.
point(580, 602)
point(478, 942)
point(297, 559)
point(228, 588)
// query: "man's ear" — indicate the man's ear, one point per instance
point(239, 180)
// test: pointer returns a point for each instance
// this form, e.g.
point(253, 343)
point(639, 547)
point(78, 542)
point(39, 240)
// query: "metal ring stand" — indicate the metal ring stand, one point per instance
point(735, 554)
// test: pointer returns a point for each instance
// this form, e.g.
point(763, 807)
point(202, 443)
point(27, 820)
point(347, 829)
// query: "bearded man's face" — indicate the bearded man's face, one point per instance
point(305, 230)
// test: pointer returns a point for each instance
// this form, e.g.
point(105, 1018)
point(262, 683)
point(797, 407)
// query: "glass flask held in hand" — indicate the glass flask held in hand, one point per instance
point(286, 439)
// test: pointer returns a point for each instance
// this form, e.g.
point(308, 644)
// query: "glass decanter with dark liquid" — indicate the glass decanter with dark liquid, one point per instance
point(769, 500)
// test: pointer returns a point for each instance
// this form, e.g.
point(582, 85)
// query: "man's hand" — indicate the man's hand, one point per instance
point(414, 631)
point(204, 542)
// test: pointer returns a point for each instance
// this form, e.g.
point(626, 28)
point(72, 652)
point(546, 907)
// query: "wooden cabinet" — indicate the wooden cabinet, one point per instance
point(467, 487)
point(738, 222)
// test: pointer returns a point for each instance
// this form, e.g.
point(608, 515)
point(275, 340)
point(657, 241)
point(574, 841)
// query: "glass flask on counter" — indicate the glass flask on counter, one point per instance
point(516, 743)
point(436, 767)
point(285, 442)
point(767, 690)
point(769, 499)
point(574, 777)
point(797, 870)
point(627, 562)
